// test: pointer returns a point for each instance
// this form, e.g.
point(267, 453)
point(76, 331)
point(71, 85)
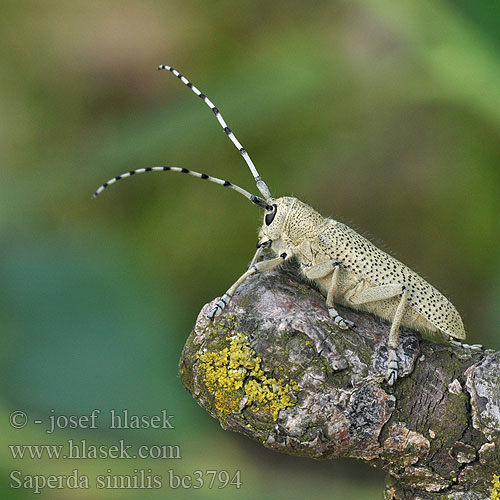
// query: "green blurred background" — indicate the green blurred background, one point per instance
point(385, 115)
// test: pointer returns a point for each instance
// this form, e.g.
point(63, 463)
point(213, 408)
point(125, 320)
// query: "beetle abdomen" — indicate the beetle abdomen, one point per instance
point(363, 261)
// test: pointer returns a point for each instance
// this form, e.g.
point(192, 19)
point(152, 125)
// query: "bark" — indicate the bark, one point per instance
point(274, 367)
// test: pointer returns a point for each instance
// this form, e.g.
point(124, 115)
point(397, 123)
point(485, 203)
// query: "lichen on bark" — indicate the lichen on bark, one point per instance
point(274, 367)
point(235, 377)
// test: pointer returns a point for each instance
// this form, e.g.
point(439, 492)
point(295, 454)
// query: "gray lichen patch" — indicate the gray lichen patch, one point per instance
point(455, 387)
point(463, 453)
point(483, 385)
point(487, 453)
point(423, 478)
point(369, 409)
point(464, 495)
point(404, 444)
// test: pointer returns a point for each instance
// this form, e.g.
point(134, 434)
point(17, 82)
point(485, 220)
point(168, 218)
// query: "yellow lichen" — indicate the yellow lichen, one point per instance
point(235, 376)
point(495, 491)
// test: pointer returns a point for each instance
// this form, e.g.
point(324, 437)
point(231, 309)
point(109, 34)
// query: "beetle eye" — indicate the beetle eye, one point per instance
point(270, 216)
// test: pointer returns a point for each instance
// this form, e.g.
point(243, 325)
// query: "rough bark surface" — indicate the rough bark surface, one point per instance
point(274, 367)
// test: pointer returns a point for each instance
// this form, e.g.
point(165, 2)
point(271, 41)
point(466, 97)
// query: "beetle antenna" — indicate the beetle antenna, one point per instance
point(254, 199)
point(261, 185)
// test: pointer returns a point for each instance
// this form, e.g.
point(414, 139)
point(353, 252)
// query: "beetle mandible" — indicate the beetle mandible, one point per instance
point(348, 268)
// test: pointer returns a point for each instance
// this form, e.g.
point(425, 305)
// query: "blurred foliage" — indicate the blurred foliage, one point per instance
point(384, 115)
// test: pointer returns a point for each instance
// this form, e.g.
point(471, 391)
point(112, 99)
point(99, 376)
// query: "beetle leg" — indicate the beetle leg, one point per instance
point(474, 347)
point(362, 295)
point(392, 363)
point(256, 257)
point(383, 292)
point(258, 267)
point(330, 301)
point(322, 270)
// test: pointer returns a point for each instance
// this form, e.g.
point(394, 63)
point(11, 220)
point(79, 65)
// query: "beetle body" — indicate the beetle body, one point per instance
point(315, 240)
point(347, 268)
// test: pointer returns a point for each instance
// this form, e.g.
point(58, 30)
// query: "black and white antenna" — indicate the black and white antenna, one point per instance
point(261, 185)
point(254, 199)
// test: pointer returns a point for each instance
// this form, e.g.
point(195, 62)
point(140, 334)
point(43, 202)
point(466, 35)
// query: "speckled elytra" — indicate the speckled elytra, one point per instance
point(347, 268)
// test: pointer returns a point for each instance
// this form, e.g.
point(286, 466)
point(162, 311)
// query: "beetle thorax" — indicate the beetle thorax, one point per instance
point(302, 223)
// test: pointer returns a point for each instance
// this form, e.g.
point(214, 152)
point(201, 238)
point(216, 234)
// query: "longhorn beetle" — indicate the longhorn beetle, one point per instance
point(347, 268)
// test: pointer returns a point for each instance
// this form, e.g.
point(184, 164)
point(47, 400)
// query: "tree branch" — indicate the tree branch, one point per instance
point(275, 368)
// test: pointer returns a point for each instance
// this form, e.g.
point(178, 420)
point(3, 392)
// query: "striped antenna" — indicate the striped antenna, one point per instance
point(254, 199)
point(261, 185)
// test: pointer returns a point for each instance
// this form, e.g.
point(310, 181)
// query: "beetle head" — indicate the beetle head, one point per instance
point(275, 217)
